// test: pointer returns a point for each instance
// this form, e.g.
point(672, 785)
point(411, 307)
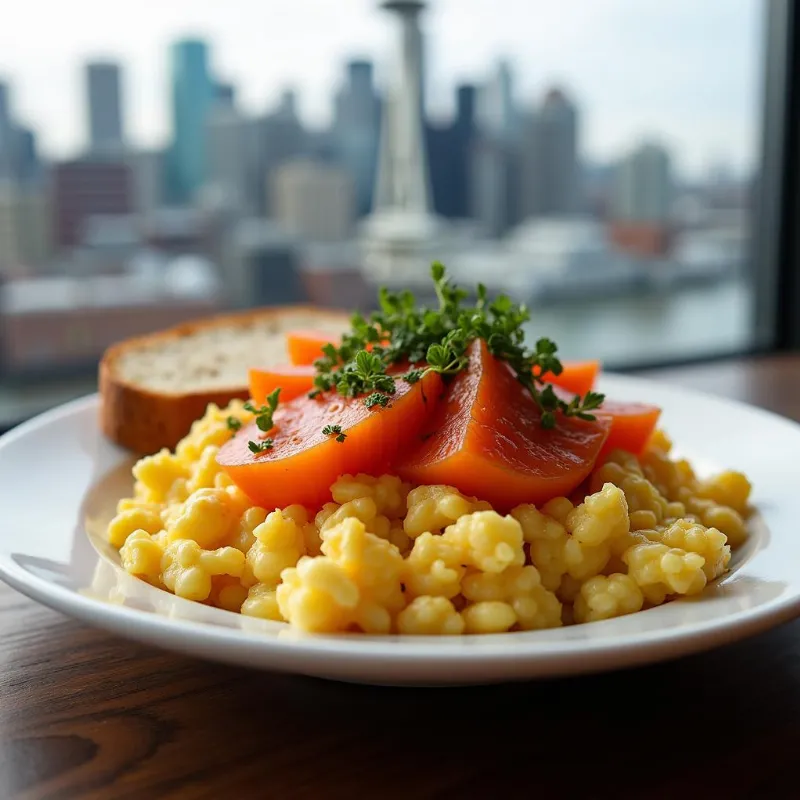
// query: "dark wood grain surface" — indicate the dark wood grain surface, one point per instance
point(86, 714)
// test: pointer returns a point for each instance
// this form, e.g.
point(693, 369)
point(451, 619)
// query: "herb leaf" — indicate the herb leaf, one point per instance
point(377, 399)
point(331, 430)
point(437, 340)
point(264, 422)
point(261, 447)
point(265, 413)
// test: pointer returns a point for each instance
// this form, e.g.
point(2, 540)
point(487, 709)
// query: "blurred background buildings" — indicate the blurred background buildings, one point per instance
point(240, 209)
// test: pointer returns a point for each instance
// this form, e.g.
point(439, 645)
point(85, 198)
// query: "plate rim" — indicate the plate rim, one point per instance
point(531, 661)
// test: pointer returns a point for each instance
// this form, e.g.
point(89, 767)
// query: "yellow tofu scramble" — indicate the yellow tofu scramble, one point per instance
point(385, 557)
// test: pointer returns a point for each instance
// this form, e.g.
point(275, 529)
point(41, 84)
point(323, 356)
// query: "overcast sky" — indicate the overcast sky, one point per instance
point(686, 71)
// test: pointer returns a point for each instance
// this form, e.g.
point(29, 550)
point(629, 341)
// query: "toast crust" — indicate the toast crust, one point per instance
point(145, 421)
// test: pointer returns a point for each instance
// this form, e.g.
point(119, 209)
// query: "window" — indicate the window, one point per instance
point(599, 161)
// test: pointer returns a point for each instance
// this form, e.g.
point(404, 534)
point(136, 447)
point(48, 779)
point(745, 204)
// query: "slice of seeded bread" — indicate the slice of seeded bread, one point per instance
point(152, 388)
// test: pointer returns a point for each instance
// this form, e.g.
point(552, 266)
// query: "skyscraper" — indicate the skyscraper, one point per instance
point(550, 180)
point(450, 147)
point(641, 200)
point(495, 113)
point(19, 159)
point(356, 130)
point(224, 94)
point(27, 165)
point(642, 189)
point(104, 106)
point(82, 189)
point(192, 97)
point(25, 236)
point(147, 184)
point(494, 156)
point(492, 184)
point(280, 137)
point(228, 139)
point(313, 200)
point(6, 145)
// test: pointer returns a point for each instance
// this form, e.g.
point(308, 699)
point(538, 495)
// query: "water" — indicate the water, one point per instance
point(635, 330)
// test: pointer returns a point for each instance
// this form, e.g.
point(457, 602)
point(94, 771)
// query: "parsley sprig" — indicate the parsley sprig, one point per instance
point(264, 421)
point(377, 399)
point(436, 340)
point(364, 372)
point(334, 430)
point(265, 413)
point(261, 446)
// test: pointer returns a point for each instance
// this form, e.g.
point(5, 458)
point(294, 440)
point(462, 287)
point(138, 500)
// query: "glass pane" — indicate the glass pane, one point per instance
point(594, 160)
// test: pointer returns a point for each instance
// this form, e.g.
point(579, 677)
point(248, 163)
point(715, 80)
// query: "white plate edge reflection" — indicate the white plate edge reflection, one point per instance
point(655, 634)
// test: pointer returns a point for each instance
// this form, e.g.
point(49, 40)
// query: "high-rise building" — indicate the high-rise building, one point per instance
point(236, 152)
point(27, 165)
point(493, 183)
point(643, 185)
point(192, 97)
point(641, 200)
point(356, 101)
point(147, 181)
point(104, 107)
point(25, 235)
point(356, 130)
point(494, 155)
point(495, 113)
point(313, 201)
point(19, 159)
point(597, 180)
point(5, 131)
point(229, 137)
point(224, 94)
point(262, 265)
point(274, 139)
point(450, 149)
point(551, 177)
point(81, 189)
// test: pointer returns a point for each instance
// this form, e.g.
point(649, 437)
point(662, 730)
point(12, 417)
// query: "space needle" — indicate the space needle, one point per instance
point(401, 236)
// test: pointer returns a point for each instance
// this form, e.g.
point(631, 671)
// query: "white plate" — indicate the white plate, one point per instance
point(61, 480)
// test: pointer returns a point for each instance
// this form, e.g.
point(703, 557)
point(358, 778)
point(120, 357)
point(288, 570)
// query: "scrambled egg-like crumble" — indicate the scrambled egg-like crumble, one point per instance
point(385, 557)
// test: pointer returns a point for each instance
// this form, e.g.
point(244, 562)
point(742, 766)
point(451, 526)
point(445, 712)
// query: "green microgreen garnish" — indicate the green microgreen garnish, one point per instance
point(265, 413)
point(261, 446)
point(365, 372)
point(436, 340)
point(233, 424)
point(413, 375)
point(377, 399)
point(264, 423)
point(330, 430)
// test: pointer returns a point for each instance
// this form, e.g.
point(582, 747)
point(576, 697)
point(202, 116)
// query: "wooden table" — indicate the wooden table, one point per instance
point(85, 714)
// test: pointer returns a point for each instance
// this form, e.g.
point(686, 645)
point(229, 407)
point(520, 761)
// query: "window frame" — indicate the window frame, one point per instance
point(775, 248)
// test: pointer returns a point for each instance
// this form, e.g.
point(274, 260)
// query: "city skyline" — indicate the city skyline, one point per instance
point(243, 209)
point(716, 93)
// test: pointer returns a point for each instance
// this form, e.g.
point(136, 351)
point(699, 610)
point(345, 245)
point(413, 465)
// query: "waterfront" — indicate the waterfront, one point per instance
point(621, 332)
point(649, 329)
